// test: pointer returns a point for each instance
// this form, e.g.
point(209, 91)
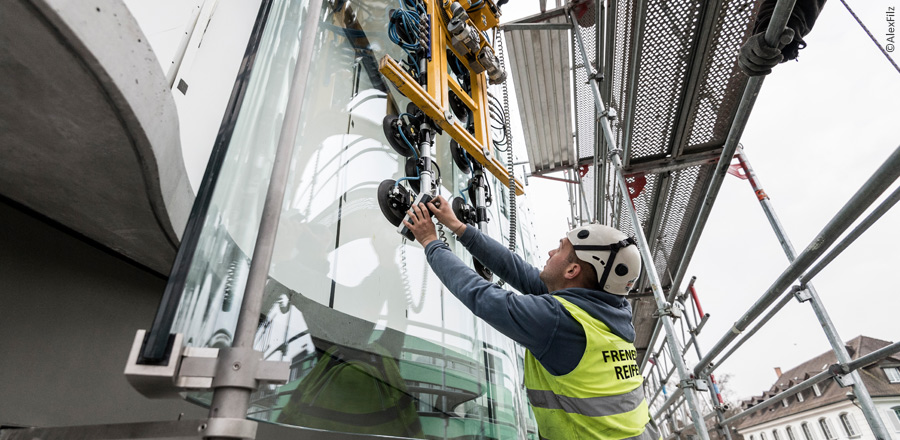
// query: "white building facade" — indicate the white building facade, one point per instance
point(826, 411)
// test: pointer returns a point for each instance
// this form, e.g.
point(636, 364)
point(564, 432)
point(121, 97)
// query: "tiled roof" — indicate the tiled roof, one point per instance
point(872, 376)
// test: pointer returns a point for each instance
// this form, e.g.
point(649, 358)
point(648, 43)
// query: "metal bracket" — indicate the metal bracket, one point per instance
point(669, 310)
point(696, 384)
point(197, 368)
point(844, 380)
point(801, 293)
point(609, 113)
point(842, 375)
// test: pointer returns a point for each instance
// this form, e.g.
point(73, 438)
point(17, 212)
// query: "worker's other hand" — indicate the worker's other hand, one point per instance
point(444, 213)
point(757, 58)
point(420, 224)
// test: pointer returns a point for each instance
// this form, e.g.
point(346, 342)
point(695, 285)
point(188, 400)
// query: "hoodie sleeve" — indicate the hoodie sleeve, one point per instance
point(516, 316)
point(505, 264)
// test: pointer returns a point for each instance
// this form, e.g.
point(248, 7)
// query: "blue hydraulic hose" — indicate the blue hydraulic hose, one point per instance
point(397, 183)
point(403, 136)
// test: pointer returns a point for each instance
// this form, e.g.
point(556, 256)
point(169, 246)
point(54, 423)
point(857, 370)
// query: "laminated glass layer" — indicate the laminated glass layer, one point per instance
point(375, 343)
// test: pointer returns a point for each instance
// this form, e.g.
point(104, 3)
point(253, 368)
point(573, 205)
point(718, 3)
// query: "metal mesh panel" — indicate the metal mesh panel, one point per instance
point(584, 98)
point(656, 81)
point(688, 197)
point(588, 182)
point(621, 61)
point(721, 82)
point(683, 198)
point(669, 35)
point(643, 204)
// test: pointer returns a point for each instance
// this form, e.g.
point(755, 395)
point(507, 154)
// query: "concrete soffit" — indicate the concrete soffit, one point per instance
point(89, 133)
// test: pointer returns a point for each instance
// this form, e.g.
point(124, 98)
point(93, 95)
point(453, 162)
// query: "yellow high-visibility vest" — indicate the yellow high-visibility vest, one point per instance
point(602, 398)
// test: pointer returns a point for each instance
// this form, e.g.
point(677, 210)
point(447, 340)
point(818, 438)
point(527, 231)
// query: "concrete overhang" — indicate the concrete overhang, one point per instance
point(88, 127)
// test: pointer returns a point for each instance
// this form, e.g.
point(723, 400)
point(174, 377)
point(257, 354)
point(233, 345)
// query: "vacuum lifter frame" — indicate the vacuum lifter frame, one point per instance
point(435, 101)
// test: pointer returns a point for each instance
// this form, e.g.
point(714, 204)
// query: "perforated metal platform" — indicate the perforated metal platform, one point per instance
point(671, 76)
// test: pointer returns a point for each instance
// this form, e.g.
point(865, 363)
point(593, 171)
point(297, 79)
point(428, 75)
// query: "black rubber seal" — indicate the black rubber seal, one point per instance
point(156, 348)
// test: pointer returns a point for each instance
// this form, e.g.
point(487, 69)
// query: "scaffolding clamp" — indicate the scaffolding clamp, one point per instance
point(801, 293)
point(609, 113)
point(842, 375)
point(696, 384)
point(199, 368)
point(669, 310)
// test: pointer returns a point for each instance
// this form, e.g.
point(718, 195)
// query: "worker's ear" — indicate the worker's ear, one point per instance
point(572, 271)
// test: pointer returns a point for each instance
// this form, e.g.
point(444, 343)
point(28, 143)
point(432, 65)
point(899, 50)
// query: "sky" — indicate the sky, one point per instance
point(819, 129)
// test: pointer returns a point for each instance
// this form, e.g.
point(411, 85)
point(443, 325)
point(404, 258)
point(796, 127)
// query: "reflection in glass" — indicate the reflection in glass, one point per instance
point(375, 344)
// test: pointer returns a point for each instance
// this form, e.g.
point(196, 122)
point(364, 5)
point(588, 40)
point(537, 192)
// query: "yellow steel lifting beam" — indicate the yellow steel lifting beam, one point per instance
point(435, 101)
point(444, 118)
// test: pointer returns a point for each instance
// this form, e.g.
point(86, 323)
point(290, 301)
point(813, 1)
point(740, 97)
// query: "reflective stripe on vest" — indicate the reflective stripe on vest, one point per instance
point(590, 406)
point(650, 433)
point(602, 398)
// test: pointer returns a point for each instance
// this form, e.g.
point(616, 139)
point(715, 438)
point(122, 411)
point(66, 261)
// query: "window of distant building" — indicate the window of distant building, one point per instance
point(849, 425)
point(893, 374)
point(762, 436)
point(775, 434)
point(893, 415)
point(799, 397)
point(817, 390)
point(827, 429)
point(790, 433)
point(807, 432)
point(752, 437)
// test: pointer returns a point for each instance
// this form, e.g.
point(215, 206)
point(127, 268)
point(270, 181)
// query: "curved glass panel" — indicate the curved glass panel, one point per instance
point(376, 345)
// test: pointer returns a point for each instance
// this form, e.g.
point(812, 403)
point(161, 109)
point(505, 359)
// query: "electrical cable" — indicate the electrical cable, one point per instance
point(498, 115)
point(407, 285)
point(509, 151)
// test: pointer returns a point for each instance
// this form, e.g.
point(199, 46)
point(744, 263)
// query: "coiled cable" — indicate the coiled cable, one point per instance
point(509, 151)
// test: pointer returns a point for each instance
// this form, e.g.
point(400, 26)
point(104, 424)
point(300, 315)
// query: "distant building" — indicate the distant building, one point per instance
point(827, 411)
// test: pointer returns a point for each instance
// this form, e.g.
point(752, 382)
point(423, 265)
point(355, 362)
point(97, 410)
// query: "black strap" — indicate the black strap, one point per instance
point(614, 246)
point(613, 250)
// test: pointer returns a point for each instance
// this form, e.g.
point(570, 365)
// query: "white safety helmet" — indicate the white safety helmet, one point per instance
point(613, 254)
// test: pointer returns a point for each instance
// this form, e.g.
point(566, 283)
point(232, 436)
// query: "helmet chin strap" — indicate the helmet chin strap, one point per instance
point(613, 250)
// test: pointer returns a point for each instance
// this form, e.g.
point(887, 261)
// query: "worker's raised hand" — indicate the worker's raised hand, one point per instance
point(757, 58)
point(441, 209)
point(420, 224)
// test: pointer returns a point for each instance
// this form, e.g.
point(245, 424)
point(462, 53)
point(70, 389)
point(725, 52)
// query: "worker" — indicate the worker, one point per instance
point(757, 57)
point(581, 371)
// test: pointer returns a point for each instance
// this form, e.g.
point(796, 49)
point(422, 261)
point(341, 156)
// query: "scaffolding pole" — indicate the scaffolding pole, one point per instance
point(773, 34)
point(643, 246)
point(713, 393)
point(776, 27)
point(853, 209)
point(231, 401)
point(837, 344)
